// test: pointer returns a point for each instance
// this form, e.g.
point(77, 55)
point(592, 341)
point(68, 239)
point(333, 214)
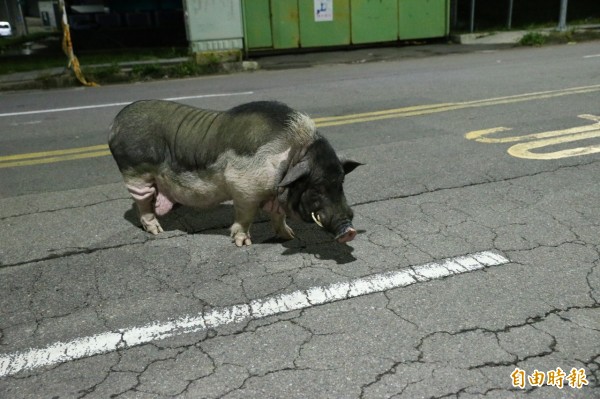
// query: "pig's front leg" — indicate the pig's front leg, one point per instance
point(244, 216)
point(278, 219)
point(280, 226)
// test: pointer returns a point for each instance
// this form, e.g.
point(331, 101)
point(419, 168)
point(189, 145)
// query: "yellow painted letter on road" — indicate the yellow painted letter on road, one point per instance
point(533, 141)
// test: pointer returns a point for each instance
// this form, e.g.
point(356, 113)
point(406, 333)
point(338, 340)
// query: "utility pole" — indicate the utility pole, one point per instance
point(562, 19)
point(23, 21)
point(472, 27)
point(510, 13)
point(7, 10)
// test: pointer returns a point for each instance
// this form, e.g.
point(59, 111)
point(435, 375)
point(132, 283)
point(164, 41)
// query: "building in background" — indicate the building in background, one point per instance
point(13, 12)
point(214, 25)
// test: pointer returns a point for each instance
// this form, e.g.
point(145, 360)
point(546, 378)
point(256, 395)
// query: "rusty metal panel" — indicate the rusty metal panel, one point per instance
point(285, 24)
point(257, 24)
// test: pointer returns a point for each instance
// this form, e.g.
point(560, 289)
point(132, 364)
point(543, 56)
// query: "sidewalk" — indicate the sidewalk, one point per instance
point(455, 44)
point(371, 54)
point(315, 57)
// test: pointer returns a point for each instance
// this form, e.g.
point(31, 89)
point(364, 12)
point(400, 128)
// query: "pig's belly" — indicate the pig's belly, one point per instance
point(194, 191)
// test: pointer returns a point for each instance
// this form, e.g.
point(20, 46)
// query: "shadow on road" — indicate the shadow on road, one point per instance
point(309, 238)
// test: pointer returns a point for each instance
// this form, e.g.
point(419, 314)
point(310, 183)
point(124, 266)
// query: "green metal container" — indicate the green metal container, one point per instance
point(288, 24)
point(257, 18)
point(285, 23)
point(316, 33)
point(422, 19)
point(271, 24)
point(374, 21)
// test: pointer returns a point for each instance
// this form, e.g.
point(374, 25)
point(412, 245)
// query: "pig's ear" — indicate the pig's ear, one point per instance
point(349, 165)
point(296, 172)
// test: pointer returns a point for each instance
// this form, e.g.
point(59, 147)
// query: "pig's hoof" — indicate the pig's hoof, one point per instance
point(242, 239)
point(285, 232)
point(240, 235)
point(151, 225)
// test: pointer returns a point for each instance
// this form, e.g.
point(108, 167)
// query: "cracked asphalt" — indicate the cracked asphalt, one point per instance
point(75, 263)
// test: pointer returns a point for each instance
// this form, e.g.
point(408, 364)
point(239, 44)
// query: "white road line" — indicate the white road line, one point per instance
point(82, 107)
point(26, 123)
point(61, 352)
point(591, 56)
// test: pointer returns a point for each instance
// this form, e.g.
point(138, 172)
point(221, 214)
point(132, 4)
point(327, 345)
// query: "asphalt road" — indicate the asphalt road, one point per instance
point(475, 271)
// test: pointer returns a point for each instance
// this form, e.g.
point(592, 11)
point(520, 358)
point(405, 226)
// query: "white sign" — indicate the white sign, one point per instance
point(323, 10)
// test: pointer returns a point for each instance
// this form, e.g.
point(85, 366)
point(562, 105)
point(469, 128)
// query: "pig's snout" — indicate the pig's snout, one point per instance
point(340, 227)
point(347, 236)
point(346, 233)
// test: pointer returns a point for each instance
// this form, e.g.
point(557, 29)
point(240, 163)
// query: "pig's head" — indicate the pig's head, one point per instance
point(315, 193)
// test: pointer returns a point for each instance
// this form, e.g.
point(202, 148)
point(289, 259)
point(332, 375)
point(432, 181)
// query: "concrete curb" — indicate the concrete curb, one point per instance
point(489, 37)
point(63, 77)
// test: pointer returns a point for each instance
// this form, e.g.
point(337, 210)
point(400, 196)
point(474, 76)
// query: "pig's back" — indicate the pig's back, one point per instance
point(156, 132)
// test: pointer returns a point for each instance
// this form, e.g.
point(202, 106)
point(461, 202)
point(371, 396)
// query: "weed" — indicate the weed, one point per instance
point(147, 71)
point(191, 68)
point(184, 69)
point(101, 72)
point(47, 81)
point(554, 37)
point(533, 39)
point(213, 64)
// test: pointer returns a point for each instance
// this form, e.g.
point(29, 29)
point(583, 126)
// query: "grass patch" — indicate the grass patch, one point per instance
point(133, 54)
point(571, 36)
point(180, 70)
point(45, 81)
point(105, 74)
point(553, 37)
point(147, 71)
point(53, 56)
point(535, 39)
point(190, 68)
point(12, 65)
point(113, 73)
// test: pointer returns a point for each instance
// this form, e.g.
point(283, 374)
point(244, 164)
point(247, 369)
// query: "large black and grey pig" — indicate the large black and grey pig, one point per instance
point(260, 155)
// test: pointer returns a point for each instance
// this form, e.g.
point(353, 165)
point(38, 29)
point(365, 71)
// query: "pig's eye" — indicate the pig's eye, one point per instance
point(314, 197)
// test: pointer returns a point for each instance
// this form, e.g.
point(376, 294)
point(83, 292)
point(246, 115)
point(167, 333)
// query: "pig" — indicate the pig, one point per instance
point(260, 154)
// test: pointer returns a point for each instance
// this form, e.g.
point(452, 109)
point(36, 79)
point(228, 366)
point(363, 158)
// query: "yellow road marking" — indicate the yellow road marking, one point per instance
point(69, 157)
point(44, 154)
point(479, 135)
point(100, 150)
point(523, 150)
point(544, 139)
point(435, 108)
point(324, 120)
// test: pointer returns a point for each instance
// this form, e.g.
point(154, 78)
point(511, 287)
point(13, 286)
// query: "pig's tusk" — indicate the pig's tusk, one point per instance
point(317, 219)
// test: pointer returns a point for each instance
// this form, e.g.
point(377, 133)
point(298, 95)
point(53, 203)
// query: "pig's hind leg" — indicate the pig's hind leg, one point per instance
point(144, 196)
